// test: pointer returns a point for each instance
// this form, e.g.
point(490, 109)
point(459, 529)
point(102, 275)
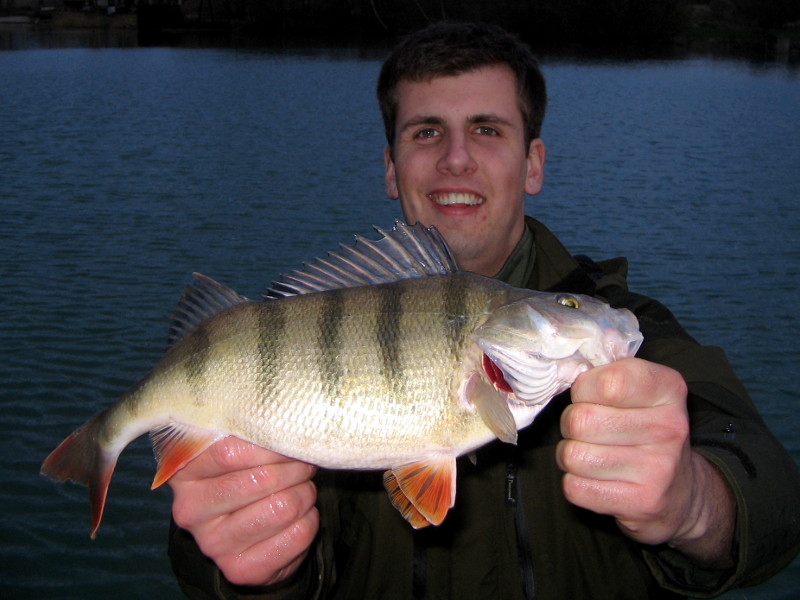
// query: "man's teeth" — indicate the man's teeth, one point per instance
point(456, 198)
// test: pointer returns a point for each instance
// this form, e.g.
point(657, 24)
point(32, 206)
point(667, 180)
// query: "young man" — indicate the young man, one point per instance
point(654, 477)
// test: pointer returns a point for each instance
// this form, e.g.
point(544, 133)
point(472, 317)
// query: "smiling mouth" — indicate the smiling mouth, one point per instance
point(454, 198)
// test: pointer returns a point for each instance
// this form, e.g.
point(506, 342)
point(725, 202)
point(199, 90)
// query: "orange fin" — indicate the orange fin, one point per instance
point(80, 458)
point(429, 487)
point(399, 500)
point(493, 408)
point(175, 445)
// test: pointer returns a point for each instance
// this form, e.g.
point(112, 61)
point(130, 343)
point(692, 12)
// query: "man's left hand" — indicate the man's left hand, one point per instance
point(626, 453)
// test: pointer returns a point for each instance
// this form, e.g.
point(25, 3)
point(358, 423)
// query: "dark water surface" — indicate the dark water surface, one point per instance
point(123, 170)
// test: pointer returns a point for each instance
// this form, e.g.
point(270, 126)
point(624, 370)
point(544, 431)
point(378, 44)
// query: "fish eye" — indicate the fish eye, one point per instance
point(568, 301)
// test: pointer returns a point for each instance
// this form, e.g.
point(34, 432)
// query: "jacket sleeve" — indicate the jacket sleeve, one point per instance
point(728, 431)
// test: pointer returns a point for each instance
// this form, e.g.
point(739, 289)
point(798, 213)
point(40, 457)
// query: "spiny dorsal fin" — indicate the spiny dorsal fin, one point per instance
point(201, 300)
point(404, 252)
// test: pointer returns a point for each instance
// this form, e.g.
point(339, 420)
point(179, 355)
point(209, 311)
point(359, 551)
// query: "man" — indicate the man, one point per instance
point(654, 477)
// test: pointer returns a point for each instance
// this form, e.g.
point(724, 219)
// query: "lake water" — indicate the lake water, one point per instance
point(124, 169)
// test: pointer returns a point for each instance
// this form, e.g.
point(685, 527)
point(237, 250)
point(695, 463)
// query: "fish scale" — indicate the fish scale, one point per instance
point(382, 368)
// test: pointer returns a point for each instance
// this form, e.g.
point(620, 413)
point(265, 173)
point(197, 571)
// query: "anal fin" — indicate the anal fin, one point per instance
point(175, 445)
point(401, 502)
point(423, 491)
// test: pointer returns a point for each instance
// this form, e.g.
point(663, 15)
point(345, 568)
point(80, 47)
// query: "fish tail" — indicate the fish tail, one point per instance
point(81, 459)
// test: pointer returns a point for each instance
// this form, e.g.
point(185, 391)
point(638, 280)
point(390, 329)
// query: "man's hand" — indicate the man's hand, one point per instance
point(626, 453)
point(250, 510)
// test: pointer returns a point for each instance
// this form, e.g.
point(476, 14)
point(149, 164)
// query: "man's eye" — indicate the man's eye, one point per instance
point(428, 132)
point(486, 130)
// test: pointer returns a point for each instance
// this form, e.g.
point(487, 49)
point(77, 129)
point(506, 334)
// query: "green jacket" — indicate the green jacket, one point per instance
point(511, 533)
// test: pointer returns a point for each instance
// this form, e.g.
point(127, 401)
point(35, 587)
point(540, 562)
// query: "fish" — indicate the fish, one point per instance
point(383, 355)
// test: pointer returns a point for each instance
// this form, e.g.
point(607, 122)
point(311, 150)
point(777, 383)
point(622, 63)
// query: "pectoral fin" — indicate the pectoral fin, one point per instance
point(492, 407)
point(423, 492)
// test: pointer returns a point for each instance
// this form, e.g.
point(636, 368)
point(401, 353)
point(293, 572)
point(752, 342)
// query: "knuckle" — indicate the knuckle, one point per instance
point(679, 428)
point(290, 505)
point(224, 489)
point(237, 569)
point(274, 558)
point(282, 509)
point(577, 420)
point(305, 529)
point(677, 380)
point(181, 515)
point(661, 377)
point(226, 452)
point(611, 382)
point(573, 454)
point(185, 510)
point(673, 427)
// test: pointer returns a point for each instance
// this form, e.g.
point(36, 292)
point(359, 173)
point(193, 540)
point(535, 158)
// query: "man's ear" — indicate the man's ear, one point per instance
point(534, 178)
point(390, 177)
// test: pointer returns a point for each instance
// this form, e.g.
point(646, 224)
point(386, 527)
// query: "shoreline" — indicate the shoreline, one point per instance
point(168, 27)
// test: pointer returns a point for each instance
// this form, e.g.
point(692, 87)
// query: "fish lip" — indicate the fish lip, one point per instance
point(456, 197)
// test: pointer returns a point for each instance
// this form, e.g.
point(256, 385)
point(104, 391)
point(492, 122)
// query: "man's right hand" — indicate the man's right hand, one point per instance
point(249, 509)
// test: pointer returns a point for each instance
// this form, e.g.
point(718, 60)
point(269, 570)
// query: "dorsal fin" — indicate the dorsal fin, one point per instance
point(404, 252)
point(201, 300)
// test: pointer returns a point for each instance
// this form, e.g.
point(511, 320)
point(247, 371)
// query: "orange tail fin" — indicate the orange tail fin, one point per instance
point(80, 458)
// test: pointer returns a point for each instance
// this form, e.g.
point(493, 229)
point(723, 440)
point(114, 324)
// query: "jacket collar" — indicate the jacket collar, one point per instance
point(555, 269)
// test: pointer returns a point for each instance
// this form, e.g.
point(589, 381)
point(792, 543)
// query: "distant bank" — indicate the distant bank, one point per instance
point(723, 25)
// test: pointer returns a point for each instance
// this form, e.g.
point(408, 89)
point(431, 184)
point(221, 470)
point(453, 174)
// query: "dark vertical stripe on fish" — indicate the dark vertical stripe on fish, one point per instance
point(198, 348)
point(271, 321)
point(455, 307)
point(330, 341)
point(388, 335)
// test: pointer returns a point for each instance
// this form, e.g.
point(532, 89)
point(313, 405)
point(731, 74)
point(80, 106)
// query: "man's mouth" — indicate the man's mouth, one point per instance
point(453, 198)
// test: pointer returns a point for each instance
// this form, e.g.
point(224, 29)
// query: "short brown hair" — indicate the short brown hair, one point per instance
point(448, 49)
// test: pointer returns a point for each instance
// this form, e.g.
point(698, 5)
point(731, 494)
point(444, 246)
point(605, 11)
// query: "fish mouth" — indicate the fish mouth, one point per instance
point(456, 198)
point(623, 345)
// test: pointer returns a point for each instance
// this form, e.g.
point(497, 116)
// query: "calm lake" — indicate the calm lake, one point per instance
point(125, 169)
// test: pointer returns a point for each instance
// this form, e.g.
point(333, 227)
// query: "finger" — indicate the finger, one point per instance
point(226, 455)
point(260, 521)
point(641, 511)
point(630, 383)
point(609, 425)
point(274, 559)
point(204, 499)
point(601, 496)
point(633, 464)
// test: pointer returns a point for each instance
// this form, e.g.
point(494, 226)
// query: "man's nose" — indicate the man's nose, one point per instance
point(457, 157)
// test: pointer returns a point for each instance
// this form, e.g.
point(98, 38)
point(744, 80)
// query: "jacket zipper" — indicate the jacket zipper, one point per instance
point(514, 501)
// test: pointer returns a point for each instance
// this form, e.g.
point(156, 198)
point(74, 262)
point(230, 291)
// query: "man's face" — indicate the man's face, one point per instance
point(460, 163)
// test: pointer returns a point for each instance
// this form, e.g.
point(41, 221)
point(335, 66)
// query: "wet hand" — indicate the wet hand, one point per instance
point(626, 453)
point(249, 509)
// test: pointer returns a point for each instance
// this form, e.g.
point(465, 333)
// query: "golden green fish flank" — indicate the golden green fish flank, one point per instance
point(339, 378)
point(359, 366)
point(353, 352)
